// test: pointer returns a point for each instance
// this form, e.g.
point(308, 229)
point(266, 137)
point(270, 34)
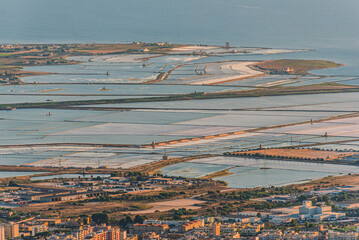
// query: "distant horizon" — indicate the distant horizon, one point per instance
point(277, 23)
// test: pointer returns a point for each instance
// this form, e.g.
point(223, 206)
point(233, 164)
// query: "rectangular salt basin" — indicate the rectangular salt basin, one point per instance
point(112, 89)
point(124, 129)
point(12, 99)
point(192, 170)
point(96, 159)
point(17, 174)
point(249, 121)
point(163, 117)
point(279, 164)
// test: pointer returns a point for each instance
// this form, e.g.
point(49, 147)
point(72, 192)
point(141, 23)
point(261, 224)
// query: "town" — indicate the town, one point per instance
point(278, 213)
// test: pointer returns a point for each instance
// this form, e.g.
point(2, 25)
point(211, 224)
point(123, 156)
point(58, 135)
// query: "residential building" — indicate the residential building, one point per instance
point(144, 228)
point(342, 235)
point(252, 229)
point(213, 229)
point(82, 232)
point(2, 232)
point(190, 225)
point(11, 230)
point(151, 236)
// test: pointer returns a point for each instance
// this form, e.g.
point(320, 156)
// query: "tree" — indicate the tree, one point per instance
point(129, 219)
point(294, 223)
point(139, 219)
point(326, 199)
point(122, 222)
point(13, 184)
point(302, 198)
point(100, 218)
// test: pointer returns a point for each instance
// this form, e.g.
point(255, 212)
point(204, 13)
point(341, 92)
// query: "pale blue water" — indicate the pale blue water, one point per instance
point(268, 177)
point(192, 170)
point(280, 23)
point(249, 172)
point(113, 89)
point(17, 174)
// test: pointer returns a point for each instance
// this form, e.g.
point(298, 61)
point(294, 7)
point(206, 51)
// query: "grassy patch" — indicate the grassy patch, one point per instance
point(6, 54)
point(295, 66)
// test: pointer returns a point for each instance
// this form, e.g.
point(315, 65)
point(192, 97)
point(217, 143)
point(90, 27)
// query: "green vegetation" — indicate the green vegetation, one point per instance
point(221, 203)
point(218, 174)
point(147, 198)
point(128, 220)
point(295, 66)
point(249, 194)
point(179, 213)
point(100, 218)
point(6, 54)
point(346, 196)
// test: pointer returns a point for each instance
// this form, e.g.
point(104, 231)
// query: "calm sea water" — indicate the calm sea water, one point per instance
point(274, 23)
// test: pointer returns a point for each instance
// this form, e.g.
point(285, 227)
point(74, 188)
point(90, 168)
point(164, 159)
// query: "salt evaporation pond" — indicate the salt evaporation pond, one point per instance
point(17, 174)
point(250, 172)
point(110, 89)
point(268, 177)
point(192, 170)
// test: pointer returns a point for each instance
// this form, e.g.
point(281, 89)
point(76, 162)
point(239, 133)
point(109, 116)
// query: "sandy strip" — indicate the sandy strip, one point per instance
point(244, 72)
point(169, 205)
point(193, 48)
point(51, 90)
point(277, 51)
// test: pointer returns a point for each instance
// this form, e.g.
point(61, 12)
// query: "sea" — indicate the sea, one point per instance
point(266, 23)
point(329, 26)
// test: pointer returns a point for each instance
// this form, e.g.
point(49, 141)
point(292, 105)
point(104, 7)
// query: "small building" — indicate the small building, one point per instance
point(190, 225)
point(49, 221)
point(252, 229)
point(138, 228)
point(71, 196)
point(331, 235)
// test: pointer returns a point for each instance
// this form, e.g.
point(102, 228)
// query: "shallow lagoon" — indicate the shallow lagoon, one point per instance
point(17, 174)
point(268, 177)
point(250, 172)
point(192, 170)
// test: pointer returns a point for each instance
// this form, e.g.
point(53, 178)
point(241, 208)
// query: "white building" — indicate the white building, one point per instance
point(309, 212)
